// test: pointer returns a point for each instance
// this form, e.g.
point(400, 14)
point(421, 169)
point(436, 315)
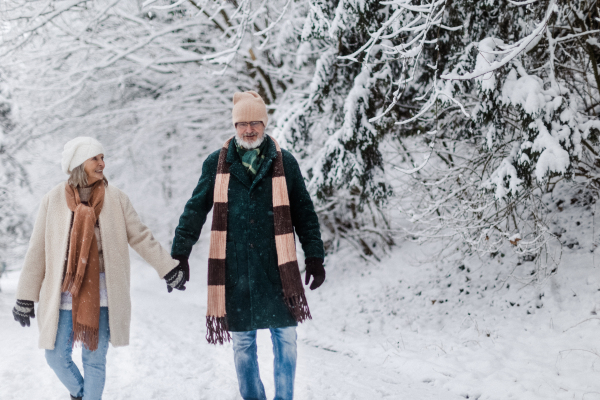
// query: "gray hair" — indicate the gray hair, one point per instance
point(78, 177)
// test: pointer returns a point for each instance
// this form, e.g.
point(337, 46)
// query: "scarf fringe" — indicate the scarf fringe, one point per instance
point(87, 336)
point(298, 307)
point(67, 282)
point(217, 330)
point(72, 283)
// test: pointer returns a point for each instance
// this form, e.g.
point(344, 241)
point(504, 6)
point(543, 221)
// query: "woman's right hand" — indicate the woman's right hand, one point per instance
point(22, 311)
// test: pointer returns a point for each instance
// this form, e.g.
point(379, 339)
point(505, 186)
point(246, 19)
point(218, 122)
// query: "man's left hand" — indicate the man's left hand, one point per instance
point(314, 268)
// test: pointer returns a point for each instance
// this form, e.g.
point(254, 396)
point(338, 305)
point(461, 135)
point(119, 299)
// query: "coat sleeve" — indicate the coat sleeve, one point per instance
point(34, 267)
point(196, 209)
point(140, 238)
point(304, 218)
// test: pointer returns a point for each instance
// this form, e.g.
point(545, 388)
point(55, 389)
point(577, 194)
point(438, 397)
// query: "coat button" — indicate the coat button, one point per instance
point(251, 221)
point(251, 245)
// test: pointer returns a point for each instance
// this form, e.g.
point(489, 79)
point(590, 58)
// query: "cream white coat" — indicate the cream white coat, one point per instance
point(43, 269)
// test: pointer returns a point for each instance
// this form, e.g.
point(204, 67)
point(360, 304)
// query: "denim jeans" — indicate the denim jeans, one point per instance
point(94, 362)
point(246, 363)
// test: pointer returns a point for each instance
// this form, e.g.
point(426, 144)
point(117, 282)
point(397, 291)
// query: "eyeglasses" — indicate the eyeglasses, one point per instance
point(244, 125)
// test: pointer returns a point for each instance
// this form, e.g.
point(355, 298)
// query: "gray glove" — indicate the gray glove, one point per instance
point(22, 311)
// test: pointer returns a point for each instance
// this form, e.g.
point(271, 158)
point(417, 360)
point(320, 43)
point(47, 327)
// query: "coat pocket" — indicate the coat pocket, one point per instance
point(231, 275)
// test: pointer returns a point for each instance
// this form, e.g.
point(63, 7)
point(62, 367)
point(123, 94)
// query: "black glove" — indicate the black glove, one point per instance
point(314, 267)
point(183, 263)
point(22, 311)
point(178, 276)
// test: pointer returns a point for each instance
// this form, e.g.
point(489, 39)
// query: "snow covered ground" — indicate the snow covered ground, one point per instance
point(411, 327)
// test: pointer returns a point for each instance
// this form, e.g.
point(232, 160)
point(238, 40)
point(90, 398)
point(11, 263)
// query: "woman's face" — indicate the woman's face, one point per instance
point(94, 168)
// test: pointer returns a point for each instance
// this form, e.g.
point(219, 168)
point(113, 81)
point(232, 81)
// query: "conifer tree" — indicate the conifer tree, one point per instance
point(500, 96)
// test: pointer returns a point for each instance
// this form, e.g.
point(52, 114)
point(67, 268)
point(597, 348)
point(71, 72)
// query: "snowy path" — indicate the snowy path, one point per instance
point(168, 357)
point(395, 330)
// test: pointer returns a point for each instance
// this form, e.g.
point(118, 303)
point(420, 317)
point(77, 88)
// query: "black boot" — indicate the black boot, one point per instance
point(76, 398)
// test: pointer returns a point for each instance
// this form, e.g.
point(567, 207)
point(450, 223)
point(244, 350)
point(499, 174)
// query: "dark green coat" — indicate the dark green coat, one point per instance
point(254, 296)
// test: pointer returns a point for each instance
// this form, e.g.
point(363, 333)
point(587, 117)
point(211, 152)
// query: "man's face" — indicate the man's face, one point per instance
point(250, 134)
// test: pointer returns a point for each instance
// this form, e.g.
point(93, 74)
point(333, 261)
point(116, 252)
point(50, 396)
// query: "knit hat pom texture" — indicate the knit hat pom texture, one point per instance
point(248, 107)
point(78, 150)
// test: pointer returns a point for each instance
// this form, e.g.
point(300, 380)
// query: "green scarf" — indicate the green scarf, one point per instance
point(252, 159)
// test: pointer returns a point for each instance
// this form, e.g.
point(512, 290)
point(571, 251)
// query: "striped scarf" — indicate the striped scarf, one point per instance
point(293, 291)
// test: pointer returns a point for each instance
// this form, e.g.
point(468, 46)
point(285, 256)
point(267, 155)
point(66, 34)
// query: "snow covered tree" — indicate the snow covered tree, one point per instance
point(499, 96)
point(329, 122)
point(530, 90)
point(14, 224)
point(153, 81)
point(462, 114)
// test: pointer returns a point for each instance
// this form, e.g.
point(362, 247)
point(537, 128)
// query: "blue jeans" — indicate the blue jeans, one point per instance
point(246, 363)
point(94, 362)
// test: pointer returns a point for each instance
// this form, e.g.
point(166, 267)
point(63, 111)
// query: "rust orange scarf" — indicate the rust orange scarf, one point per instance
point(82, 278)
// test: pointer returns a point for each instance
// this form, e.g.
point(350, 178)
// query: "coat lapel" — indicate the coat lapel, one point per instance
point(236, 168)
point(62, 213)
point(108, 208)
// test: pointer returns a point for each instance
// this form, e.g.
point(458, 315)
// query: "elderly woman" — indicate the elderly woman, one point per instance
point(77, 268)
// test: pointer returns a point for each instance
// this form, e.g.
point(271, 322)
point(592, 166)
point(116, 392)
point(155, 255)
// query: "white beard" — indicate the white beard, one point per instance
point(247, 145)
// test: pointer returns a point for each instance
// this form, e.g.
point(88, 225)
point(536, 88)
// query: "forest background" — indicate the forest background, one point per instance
point(468, 126)
point(427, 120)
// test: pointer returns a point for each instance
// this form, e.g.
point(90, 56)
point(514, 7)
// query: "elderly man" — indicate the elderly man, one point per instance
point(259, 200)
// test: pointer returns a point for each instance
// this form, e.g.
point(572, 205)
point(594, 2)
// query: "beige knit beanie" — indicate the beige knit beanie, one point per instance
point(248, 107)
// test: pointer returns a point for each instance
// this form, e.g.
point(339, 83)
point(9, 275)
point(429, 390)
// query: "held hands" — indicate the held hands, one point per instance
point(179, 275)
point(314, 268)
point(22, 311)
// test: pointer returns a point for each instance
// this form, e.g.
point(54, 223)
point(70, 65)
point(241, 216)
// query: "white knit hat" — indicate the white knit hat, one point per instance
point(78, 150)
